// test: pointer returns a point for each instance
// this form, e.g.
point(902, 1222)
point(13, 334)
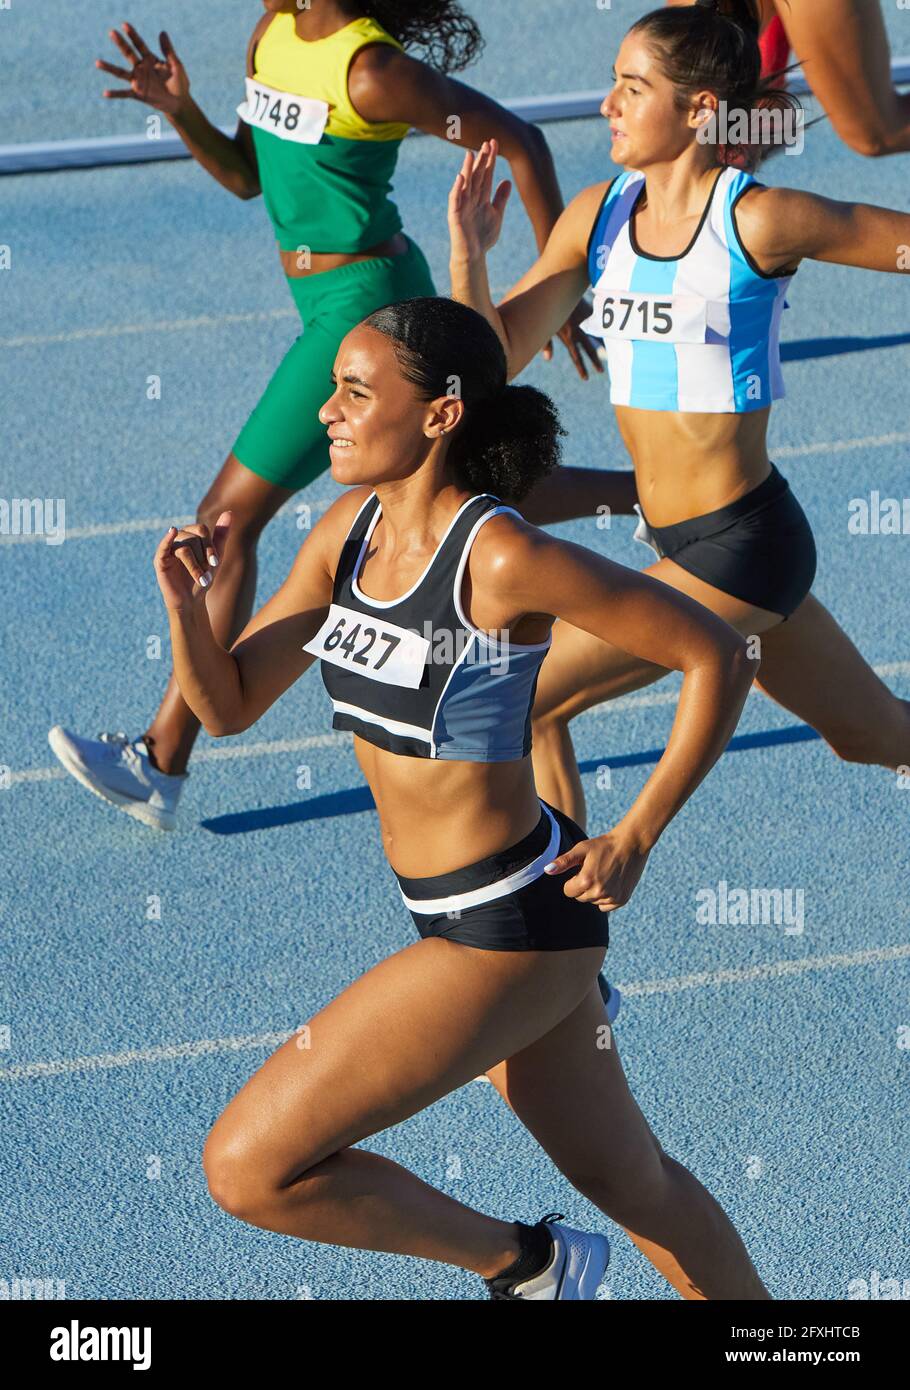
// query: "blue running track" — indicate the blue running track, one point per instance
point(769, 1061)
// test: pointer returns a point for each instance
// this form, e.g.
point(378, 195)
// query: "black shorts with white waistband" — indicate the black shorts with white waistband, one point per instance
point(760, 549)
point(506, 902)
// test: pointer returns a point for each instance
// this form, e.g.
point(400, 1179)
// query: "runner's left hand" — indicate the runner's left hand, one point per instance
point(577, 341)
point(607, 870)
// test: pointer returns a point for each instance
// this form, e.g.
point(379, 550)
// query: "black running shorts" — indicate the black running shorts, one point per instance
point(506, 902)
point(760, 549)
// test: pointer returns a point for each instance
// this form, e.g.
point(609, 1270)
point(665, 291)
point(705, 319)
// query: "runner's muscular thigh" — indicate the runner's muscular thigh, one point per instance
point(416, 1026)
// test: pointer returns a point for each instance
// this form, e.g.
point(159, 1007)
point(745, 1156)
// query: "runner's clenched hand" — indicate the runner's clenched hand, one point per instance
point(185, 559)
point(607, 870)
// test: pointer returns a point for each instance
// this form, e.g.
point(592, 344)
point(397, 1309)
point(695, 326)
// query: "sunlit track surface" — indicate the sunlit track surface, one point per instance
point(770, 1060)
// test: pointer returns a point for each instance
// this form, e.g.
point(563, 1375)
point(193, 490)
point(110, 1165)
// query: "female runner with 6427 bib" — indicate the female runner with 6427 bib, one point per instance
point(430, 606)
point(691, 263)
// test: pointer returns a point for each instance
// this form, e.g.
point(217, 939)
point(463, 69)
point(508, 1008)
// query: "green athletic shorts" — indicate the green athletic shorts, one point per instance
point(283, 441)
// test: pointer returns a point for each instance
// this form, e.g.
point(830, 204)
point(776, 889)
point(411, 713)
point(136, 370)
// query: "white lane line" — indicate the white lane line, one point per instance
point(174, 1053)
point(270, 749)
point(772, 971)
point(207, 1046)
point(160, 523)
point(118, 330)
point(107, 528)
point(840, 446)
point(215, 755)
point(670, 697)
point(304, 745)
point(152, 523)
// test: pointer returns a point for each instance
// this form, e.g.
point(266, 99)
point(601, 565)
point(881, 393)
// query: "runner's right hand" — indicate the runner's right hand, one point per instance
point(160, 82)
point(185, 559)
point(475, 220)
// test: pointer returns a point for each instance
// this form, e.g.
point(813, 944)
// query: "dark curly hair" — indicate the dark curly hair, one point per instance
point(509, 436)
point(712, 45)
point(451, 40)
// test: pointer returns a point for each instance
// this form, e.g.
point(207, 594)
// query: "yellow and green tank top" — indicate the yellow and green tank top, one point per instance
point(325, 173)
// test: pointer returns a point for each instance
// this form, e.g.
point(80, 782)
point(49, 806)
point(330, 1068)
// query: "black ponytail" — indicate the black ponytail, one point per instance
point(712, 45)
point(510, 441)
point(451, 40)
point(743, 12)
point(509, 436)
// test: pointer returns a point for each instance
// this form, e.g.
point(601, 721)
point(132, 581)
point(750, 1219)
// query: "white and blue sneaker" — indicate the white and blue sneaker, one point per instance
point(122, 773)
point(575, 1268)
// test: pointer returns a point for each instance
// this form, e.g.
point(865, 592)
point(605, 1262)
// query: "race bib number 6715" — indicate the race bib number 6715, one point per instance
point(655, 318)
point(376, 649)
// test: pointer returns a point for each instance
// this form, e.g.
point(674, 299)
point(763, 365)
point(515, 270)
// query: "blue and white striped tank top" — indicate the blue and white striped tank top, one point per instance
point(412, 675)
point(695, 332)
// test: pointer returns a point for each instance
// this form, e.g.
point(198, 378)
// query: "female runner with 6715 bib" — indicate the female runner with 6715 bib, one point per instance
point(690, 264)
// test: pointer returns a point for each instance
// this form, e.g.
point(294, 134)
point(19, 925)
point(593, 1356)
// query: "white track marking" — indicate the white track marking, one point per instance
point(119, 330)
point(670, 697)
point(107, 528)
point(161, 523)
point(288, 745)
point(153, 523)
point(772, 971)
point(253, 1042)
point(216, 755)
point(304, 745)
point(840, 446)
point(174, 1053)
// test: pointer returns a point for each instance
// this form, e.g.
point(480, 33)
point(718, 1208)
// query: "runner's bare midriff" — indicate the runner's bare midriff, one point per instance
point(436, 816)
point(687, 464)
point(299, 263)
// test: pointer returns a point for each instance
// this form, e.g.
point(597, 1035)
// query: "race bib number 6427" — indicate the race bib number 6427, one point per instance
point(376, 649)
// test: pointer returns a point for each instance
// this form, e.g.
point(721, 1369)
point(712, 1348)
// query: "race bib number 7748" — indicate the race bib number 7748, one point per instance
point(379, 650)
